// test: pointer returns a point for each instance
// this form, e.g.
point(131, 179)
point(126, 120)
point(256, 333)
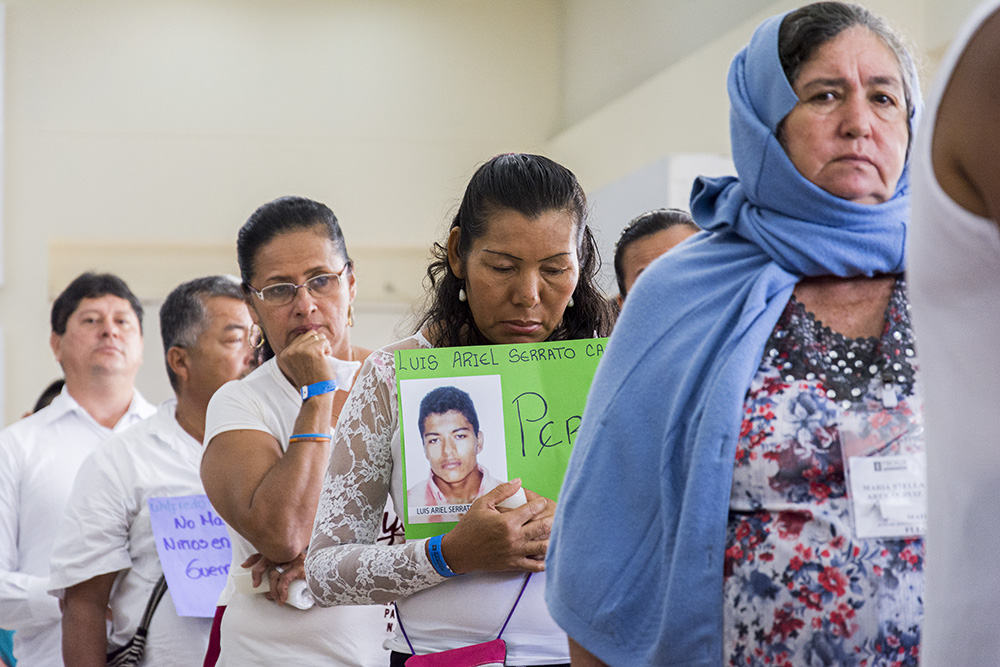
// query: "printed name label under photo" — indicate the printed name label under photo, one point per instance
point(473, 417)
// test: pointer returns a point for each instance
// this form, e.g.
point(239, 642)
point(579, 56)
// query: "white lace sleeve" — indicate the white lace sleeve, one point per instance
point(345, 565)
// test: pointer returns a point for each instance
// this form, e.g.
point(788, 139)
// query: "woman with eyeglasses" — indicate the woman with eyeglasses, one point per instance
point(268, 440)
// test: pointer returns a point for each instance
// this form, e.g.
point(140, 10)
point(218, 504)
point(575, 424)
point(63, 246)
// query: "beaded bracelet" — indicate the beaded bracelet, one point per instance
point(302, 437)
point(437, 558)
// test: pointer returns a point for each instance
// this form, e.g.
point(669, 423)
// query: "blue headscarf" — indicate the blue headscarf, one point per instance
point(774, 206)
point(636, 557)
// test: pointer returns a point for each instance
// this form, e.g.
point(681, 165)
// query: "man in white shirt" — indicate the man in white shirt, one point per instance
point(105, 553)
point(97, 339)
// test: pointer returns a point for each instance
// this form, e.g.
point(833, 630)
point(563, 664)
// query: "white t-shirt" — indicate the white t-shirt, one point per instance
point(954, 276)
point(256, 630)
point(39, 458)
point(106, 528)
point(344, 565)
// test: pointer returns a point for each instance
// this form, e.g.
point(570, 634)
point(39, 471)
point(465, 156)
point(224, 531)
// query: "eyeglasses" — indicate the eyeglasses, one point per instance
point(282, 294)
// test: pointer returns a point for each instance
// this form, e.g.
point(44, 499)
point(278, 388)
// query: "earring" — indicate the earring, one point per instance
point(259, 336)
point(350, 314)
point(571, 302)
point(461, 295)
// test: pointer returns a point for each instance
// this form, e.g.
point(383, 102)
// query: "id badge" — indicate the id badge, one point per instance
point(885, 463)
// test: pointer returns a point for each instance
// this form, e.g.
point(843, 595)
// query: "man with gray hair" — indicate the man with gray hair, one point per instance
point(104, 561)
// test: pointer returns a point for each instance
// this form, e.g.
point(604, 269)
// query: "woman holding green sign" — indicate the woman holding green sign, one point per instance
point(760, 371)
point(518, 267)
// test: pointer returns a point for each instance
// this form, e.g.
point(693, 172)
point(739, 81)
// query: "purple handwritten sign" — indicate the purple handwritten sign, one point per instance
point(194, 550)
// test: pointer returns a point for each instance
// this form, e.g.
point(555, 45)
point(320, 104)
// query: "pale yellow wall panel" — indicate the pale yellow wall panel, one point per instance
point(164, 123)
point(386, 274)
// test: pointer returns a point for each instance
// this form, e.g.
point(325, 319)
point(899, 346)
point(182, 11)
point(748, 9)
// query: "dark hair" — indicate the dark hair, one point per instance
point(183, 317)
point(806, 29)
point(90, 286)
point(530, 185)
point(447, 399)
point(283, 215)
point(48, 395)
point(644, 225)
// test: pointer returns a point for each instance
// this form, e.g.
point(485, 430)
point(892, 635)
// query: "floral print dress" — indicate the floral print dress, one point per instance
point(800, 588)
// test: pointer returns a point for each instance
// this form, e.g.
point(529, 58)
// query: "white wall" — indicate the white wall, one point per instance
point(611, 47)
point(684, 108)
point(162, 124)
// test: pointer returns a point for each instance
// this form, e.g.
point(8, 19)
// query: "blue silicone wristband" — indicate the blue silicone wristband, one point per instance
point(317, 388)
point(437, 558)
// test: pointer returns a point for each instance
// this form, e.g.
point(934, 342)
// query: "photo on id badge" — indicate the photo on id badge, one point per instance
point(453, 444)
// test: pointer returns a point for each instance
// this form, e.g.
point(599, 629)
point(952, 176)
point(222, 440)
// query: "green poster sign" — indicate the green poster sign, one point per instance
point(472, 417)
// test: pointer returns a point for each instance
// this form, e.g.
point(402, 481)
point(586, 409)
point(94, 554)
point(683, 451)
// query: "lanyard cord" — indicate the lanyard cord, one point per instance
point(399, 619)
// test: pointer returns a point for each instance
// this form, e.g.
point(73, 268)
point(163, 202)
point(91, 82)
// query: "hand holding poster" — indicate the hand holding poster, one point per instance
point(473, 417)
point(194, 550)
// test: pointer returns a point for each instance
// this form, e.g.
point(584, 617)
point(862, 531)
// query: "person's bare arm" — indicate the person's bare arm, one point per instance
point(85, 610)
point(967, 130)
point(581, 657)
point(267, 496)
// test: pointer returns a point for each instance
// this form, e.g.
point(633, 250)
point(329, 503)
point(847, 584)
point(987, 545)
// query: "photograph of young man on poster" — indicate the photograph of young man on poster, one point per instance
point(452, 441)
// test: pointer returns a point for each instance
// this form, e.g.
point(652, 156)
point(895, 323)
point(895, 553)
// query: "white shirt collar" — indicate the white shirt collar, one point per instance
point(164, 426)
point(138, 408)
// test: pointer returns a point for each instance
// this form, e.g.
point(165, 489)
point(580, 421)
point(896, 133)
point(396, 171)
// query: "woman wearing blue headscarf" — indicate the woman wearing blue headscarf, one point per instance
point(705, 517)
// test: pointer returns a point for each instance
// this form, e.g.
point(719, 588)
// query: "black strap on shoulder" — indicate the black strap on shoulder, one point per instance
point(154, 601)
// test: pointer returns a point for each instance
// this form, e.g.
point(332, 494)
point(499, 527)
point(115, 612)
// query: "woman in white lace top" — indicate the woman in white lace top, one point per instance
point(518, 266)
